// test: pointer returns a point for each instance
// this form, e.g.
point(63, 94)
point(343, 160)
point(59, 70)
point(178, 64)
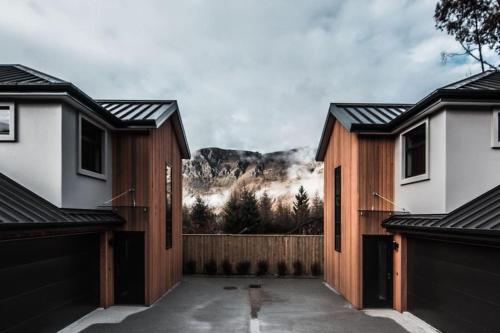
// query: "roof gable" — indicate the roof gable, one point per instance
point(118, 113)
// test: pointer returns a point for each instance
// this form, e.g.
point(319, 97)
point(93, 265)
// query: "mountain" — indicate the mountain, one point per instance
point(213, 173)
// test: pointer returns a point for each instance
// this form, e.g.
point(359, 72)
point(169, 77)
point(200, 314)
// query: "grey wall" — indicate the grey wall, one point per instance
point(80, 191)
point(35, 160)
point(428, 196)
point(473, 167)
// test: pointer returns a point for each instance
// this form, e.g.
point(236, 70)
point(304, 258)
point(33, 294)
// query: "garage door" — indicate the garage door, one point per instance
point(454, 286)
point(47, 283)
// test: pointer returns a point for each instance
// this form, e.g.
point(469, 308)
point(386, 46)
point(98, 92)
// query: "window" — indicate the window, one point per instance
point(7, 122)
point(168, 206)
point(415, 147)
point(92, 149)
point(495, 129)
point(338, 217)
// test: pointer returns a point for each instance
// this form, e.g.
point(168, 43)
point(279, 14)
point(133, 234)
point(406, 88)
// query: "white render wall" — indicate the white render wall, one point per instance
point(34, 161)
point(462, 163)
point(473, 167)
point(45, 157)
point(80, 191)
point(428, 196)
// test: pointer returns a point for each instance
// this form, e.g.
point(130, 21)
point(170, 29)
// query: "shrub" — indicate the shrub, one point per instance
point(243, 267)
point(227, 267)
point(262, 267)
point(211, 267)
point(298, 268)
point(190, 267)
point(282, 269)
point(316, 269)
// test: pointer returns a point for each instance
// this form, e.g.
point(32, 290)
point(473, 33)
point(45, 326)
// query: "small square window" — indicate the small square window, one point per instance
point(415, 148)
point(495, 129)
point(92, 149)
point(7, 122)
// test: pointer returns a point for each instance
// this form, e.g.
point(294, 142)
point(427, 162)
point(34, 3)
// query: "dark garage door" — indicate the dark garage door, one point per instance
point(47, 283)
point(454, 286)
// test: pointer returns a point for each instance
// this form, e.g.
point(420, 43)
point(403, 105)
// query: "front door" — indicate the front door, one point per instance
point(377, 271)
point(129, 267)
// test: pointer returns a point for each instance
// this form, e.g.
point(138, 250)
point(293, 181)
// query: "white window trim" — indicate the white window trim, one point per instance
point(495, 139)
point(11, 137)
point(84, 172)
point(402, 154)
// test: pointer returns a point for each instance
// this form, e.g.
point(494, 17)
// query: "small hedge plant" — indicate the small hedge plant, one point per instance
point(211, 267)
point(190, 267)
point(227, 267)
point(298, 268)
point(316, 269)
point(243, 267)
point(262, 267)
point(282, 268)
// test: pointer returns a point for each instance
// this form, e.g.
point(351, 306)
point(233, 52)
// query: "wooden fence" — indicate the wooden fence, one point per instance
point(236, 248)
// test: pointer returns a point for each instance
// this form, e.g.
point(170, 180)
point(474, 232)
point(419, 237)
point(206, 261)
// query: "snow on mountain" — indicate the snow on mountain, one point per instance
point(213, 173)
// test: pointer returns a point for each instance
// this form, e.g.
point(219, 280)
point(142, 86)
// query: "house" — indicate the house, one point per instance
point(90, 200)
point(411, 217)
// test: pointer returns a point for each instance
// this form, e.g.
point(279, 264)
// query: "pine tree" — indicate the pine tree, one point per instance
point(316, 227)
point(266, 213)
point(301, 207)
point(231, 215)
point(202, 217)
point(249, 215)
point(283, 221)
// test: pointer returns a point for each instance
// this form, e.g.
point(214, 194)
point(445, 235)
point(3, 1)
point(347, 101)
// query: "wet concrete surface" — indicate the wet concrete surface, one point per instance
point(201, 304)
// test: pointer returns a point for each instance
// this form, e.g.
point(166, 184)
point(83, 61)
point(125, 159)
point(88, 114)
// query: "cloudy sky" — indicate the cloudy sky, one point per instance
point(255, 75)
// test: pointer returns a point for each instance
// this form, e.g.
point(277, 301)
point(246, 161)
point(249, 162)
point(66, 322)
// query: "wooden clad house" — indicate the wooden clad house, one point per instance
point(90, 201)
point(400, 209)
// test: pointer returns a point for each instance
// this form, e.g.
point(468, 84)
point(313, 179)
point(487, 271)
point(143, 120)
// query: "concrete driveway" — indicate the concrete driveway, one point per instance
point(279, 305)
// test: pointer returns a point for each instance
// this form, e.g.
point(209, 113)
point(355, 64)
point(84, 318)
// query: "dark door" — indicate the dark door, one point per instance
point(377, 271)
point(129, 267)
point(47, 283)
point(454, 286)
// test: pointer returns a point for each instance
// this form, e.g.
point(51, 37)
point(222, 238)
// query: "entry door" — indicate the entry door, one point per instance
point(377, 271)
point(129, 267)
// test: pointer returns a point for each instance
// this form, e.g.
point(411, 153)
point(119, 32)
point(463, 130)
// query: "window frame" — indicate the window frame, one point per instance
point(426, 174)
point(81, 170)
point(495, 129)
point(169, 213)
point(12, 136)
point(337, 213)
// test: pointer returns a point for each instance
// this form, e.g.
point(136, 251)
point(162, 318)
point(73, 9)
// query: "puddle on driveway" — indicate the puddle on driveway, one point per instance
point(255, 297)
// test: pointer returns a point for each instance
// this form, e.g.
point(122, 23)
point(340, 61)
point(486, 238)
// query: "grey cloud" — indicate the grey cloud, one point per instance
point(247, 74)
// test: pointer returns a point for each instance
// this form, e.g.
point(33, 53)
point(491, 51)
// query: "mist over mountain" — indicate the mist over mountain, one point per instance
point(213, 173)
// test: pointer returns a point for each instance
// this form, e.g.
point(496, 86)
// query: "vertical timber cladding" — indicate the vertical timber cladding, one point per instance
point(341, 269)
point(367, 167)
point(139, 161)
point(164, 265)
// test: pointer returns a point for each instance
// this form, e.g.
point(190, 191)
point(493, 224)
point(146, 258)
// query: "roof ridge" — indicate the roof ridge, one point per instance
point(50, 78)
point(135, 100)
point(368, 103)
point(463, 82)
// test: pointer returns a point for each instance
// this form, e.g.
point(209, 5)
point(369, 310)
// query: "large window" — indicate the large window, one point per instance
point(168, 206)
point(7, 122)
point(415, 153)
point(495, 129)
point(92, 149)
point(338, 208)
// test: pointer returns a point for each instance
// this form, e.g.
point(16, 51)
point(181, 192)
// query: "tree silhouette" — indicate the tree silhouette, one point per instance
point(474, 24)
point(301, 206)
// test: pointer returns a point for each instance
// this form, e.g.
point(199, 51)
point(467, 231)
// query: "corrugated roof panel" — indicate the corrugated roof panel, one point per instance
point(365, 113)
point(135, 112)
point(481, 216)
point(19, 206)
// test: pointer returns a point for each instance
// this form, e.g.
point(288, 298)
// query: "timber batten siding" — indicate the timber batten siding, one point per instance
point(367, 166)
point(140, 160)
point(236, 248)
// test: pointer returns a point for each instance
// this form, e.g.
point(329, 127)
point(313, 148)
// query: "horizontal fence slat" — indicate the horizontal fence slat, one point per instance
point(202, 248)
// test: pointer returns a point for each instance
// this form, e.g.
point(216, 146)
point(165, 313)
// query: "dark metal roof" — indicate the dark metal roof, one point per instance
point(479, 216)
point(19, 74)
point(118, 113)
point(21, 208)
point(130, 110)
point(350, 114)
point(357, 117)
point(489, 80)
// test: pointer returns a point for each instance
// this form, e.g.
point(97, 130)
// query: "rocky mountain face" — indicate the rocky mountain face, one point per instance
point(213, 173)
